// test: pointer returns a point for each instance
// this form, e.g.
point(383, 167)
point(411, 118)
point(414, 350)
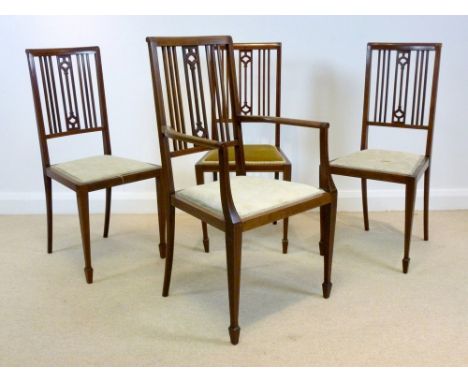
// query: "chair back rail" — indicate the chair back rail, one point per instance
point(68, 93)
point(401, 87)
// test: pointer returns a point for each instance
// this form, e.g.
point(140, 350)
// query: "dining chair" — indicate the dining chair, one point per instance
point(258, 67)
point(400, 91)
point(189, 93)
point(69, 99)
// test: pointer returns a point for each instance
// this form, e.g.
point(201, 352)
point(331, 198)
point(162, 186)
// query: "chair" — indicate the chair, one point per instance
point(180, 67)
point(400, 92)
point(69, 99)
point(259, 87)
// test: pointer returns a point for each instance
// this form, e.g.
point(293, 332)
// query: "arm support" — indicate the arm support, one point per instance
point(229, 210)
point(326, 181)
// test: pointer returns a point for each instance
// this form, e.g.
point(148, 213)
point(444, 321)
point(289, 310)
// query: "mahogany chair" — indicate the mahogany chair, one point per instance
point(400, 92)
point(189, 91)
point(69, 99)
point(258, 67)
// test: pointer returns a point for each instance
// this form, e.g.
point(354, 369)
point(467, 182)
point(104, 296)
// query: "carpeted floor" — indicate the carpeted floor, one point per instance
point(376, 315)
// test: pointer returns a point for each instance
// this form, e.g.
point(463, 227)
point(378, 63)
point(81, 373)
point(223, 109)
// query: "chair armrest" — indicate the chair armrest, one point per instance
point(326, 181)
point(229, 210)
point(284, 121)
point(173, 134)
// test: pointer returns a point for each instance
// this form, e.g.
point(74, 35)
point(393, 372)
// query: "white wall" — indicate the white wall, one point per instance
point(323, 78)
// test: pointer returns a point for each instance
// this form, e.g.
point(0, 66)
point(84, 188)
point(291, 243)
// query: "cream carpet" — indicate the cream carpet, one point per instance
point(376, 315)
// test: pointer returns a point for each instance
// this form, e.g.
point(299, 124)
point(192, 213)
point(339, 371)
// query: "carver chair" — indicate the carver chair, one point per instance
point(179, 67)
point(400, 92)
point(69, 99)
point(258, 66)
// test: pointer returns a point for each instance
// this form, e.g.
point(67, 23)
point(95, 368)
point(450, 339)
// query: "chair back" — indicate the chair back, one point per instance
point(68, 92)
point(194, 92)
point(259, 80)
point(401, 87)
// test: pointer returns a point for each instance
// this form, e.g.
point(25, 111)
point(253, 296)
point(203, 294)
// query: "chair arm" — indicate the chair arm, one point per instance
point(326, 181)
point(229, 210)
point(173, 134)
point(284, 121)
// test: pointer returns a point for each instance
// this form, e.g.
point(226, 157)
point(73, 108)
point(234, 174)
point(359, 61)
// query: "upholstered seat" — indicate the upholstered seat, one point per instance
point(396, 162)
point(255, 154)
point(98, 168)
point(251, 195)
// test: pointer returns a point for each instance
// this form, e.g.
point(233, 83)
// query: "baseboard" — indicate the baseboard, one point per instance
point(394, 200)
point(65, 202)
point(12, 203)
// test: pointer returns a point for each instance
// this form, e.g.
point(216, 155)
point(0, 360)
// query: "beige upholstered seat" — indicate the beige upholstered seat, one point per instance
point(254, 154)
point(398, 162)
point(251, 195)
point(101, 167)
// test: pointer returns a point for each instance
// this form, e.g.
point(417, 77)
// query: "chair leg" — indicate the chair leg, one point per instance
point(427, 176)
point(83, 211)
point(48, 193)
point(233, 257)
point(323, 231)
point(410, 198)
point(285, 235)
point(286, 177)
point(215, 176)
point(170, 250)
point(364, 203)
point(162, 206)
point(276, 177)
point(327, 231)
point(108, 211)
point(200, 180)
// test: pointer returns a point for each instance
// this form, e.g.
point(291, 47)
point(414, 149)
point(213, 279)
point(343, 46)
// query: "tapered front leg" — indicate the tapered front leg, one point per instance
point(324, 214)
point(410, 199)
point(170, 250)
point(285, 241)
point(276, 177)
point(427, 180)
point(48, 194)
point(327, 229)
point(286, 177)
point(200, 180)
point(365, 210)
point(233, 257)
point(163, 203)
point(83, 211)
point(108, 211)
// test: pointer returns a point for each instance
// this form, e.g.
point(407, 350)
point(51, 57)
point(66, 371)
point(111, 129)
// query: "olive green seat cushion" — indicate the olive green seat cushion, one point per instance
point(257, 154)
